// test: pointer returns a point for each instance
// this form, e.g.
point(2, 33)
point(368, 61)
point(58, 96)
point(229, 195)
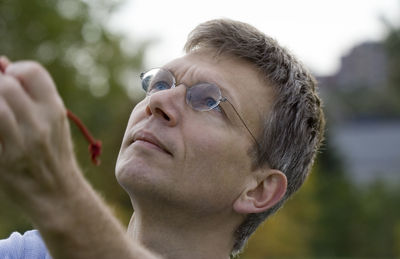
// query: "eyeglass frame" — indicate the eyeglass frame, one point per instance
point(221, 99)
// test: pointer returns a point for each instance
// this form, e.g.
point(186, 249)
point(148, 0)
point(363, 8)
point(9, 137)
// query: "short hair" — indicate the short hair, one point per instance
point(293, 127)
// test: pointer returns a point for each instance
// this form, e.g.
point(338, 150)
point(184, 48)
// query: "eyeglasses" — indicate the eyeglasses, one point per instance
point(201, 96)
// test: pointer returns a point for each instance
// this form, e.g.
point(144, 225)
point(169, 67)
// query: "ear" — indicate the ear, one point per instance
point(262, 193)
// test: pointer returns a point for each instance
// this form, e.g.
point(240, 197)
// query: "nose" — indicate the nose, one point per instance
point(167, 105)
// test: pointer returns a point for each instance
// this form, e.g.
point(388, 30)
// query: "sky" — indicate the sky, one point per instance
point(318, 32)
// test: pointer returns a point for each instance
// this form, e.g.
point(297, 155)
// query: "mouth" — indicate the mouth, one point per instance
point(149, 140)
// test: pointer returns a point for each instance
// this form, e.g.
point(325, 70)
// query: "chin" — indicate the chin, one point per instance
point(136, 176)
point(127, 171)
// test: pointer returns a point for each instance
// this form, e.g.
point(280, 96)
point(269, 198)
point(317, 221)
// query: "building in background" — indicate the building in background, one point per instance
point(364, 125)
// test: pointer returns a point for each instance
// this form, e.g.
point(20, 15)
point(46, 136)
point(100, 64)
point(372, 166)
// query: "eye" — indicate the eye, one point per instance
point(159, 86)
point(210, 102)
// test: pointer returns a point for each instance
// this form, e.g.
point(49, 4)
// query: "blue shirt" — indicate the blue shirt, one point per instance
point(27, 246)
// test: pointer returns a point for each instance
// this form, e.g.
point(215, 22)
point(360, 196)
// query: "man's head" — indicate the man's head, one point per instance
point(292, 129)
point(206, 164)
point(207, 160)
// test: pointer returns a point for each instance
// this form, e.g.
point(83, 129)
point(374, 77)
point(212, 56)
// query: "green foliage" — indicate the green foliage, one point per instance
point(332, 217)
point(341, 219)
point(93, 75)
point(289, 233)
point(329, 217)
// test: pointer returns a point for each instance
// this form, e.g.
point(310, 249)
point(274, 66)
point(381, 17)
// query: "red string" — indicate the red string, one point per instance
point(94, 145)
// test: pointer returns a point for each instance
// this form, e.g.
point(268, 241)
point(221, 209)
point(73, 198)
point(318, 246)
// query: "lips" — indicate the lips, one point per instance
point(150, 138)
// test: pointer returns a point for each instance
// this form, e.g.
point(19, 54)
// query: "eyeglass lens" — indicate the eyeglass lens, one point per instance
point(157, 80)
point(201, 96)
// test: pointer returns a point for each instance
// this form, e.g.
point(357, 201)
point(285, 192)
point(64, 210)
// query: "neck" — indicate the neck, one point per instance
point(179, 236)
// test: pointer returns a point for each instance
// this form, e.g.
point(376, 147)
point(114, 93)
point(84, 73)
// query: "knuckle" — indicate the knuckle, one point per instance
point(25, 69)
point(8, 86)
point(33, 68)
point(43, 143)
point(38, 140)
point(7, 82)
point(36, 65)
point(42, 133)
point(59, 109)
point(54, 113)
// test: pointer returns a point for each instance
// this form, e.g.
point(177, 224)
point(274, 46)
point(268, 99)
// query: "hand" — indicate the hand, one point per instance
point(38, 170)
point(36, 155)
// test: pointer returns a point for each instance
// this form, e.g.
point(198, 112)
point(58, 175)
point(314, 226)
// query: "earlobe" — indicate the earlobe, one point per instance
point(262, 195)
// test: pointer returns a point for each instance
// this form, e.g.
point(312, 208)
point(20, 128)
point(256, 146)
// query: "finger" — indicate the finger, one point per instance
point(4, 62)
point(35, 80)
point(16, 98)
point(8, 127)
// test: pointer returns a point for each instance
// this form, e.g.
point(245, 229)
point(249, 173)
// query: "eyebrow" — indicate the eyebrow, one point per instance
point(222, 85)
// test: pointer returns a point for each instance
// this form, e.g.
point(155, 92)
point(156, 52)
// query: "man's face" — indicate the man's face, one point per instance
point(190, 159)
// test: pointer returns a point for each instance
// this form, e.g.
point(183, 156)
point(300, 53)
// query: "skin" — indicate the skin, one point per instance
point(188, 173)
point(39, 173)
point(204, 183)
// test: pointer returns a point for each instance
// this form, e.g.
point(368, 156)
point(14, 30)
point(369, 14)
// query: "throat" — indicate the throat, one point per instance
point(191, 239)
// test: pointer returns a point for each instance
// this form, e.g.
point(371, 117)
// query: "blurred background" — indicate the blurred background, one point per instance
point(348, 208)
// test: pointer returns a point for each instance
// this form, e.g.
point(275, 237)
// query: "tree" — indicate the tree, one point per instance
point(93, 73)
point(392, 46)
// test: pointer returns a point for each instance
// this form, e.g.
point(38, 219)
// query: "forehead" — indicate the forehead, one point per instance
point(239, 81)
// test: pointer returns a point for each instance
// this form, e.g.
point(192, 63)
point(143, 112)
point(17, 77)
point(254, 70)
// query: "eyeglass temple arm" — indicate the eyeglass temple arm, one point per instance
point(237, 113)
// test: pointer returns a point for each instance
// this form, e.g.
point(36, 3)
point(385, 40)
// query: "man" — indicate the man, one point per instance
point(225, 135)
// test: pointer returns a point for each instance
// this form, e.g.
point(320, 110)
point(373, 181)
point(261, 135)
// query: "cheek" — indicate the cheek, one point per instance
point(124, 164)
point(216, 162)
point(137, 114)
point(220, 146)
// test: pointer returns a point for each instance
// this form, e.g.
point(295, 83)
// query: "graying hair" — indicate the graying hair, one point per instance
point(293, 127)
